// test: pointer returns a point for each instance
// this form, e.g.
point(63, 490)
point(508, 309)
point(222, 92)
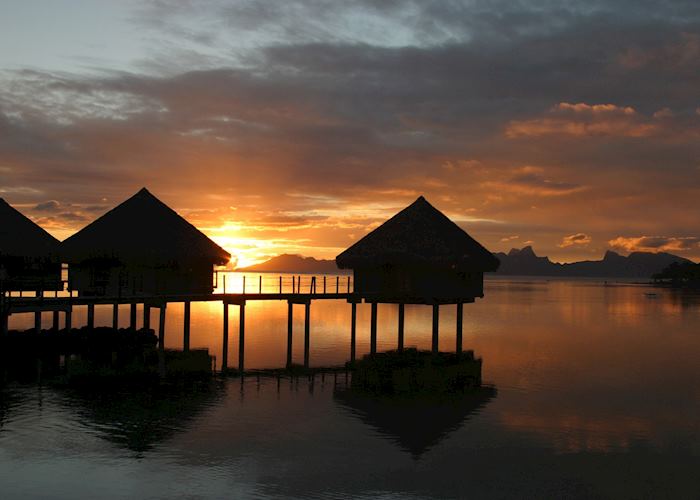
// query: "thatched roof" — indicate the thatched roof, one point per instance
point(419, 235)
point(145, 229)
point(20, 237)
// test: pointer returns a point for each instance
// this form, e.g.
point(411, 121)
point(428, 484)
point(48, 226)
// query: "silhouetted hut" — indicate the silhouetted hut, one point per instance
point(418, 256)
point(28, 255)
point(141, 247)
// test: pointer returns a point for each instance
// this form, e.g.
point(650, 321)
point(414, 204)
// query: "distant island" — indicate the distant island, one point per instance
point(288, 263)
point(524, 262)
point(517, 262)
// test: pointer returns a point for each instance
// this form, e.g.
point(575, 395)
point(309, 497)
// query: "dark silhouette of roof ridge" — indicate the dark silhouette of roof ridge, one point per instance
point(140, 226)
point(21, 236)
point(420, 233)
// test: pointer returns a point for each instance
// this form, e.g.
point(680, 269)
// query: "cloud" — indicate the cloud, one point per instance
point(574, 239)
point(581, 119)
point(656, 243)
point(509, 238)
point(48, 206)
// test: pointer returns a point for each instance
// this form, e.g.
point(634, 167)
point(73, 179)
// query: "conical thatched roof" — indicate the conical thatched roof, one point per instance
point(142, 228)
point(419, 235)
point(20, 237)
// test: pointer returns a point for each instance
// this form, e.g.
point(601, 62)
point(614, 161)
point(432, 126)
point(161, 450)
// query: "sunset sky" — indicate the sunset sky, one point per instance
point(297, 126)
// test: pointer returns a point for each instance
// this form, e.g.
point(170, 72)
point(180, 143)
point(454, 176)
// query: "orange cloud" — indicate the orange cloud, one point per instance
point(581, 119)
point(655, 243)
point(574, 239)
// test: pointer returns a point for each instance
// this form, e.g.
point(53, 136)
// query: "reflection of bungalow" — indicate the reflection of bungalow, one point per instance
point(28, 254)
point(419, 423)
point(141, 247)
point(418, 256)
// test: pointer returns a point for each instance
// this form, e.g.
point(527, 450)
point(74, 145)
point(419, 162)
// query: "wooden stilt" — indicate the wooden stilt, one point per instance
point(37, 322)
point(132, 317)
point(54, 326)
point(460, 316)
point(4, 323)
point(373, 330)
point(146, 316)
point(186, 328)
point(224, 349)
point(307, 331)
point(436, 322)
point(69, 317)
point(161, 341)
point(91, 316)
point(290, 332)
point(115, 316)
point(401, 326)
point(161, 327)
point(353, 330)
point(241, 337)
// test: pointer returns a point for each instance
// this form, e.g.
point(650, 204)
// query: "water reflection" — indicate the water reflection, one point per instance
point(415, 424)
point(141, 418)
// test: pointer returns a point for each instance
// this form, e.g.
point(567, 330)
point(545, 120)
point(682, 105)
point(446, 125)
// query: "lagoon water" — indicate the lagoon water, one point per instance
point(593, 390)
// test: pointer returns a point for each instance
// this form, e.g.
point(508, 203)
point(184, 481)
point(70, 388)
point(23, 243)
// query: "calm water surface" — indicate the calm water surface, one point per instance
point(594, 391)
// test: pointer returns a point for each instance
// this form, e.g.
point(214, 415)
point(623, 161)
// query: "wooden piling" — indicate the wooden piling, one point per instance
point(436, 323)
point(353, 330)
point(161, 327)
point(37, 322)
point(401, 326)
point(307, 331)
point(91, 316)
point(186, 328)
point(54, 326)
point(69, 317)
point(146, 316)
point(115, 316)
point(161, 341)
point(460, 317)
point(373, 330)
point(132, 316)
point(241, 337)
point(224, 348)
point(290, 332)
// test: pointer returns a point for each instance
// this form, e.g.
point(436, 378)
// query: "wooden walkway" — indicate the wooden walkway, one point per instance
point(65, 304)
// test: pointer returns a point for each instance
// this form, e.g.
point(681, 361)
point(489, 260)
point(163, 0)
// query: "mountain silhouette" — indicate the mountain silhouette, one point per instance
point(288, 263)
point(525, 262)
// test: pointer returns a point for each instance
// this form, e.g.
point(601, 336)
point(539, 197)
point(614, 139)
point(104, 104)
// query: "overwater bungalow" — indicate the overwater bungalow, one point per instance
point(141, 247)
point(29, 258)
point(419, 256)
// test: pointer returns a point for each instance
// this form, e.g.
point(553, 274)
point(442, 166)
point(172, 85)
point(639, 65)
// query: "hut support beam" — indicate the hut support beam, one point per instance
point(307, 332)
point(69, 317)
point(115, 316)
point(373, 330)
point(290, 332)
point(4, 323)
point(91, 316)
point(436, 326)
point(54, 326)
point(353, 330)
point(401, 326)
point(161, 341)
point(146, 316)
point(460, 319)
point(37, 322)
point(186, 328)
point(224, 348)
point(161, 327)
point(241, 337)
point(132, 317)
